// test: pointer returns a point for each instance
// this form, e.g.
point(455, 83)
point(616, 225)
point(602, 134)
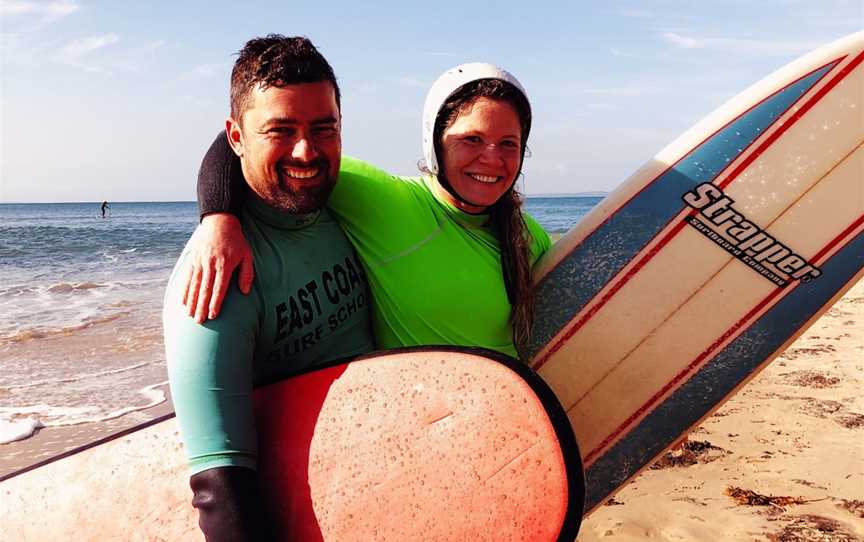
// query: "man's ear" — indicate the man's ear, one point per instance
point(235, 136)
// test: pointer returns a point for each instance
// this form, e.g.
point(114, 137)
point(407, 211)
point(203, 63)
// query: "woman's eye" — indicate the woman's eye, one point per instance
point(473, 139)
point(510, 144)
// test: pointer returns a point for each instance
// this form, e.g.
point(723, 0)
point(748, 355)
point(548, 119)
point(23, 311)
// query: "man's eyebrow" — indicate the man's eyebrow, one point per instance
point(281, 121)
point(330, 119)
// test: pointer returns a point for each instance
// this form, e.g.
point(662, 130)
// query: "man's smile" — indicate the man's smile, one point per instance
point(297, 172)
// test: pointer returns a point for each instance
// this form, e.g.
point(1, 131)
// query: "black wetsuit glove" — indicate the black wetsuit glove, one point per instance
point(221, 186)
point(229, 505)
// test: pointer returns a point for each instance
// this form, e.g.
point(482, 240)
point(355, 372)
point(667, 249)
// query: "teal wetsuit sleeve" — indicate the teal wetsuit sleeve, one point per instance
point(210, 372)
point(540, 241)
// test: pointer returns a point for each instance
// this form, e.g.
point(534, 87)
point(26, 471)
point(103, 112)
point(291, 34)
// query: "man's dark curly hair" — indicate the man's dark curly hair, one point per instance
point(276, 61)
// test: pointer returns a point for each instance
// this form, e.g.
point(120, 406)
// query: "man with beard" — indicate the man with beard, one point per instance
point(309, 300)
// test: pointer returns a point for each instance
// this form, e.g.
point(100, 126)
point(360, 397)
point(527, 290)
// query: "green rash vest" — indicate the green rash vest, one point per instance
point(434, 271)
point(309, 304)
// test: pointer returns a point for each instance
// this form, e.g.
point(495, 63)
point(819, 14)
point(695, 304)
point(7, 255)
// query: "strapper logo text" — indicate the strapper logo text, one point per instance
point(728, 228)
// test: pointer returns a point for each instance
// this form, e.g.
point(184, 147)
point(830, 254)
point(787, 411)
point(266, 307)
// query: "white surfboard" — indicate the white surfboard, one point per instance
point(704, 265)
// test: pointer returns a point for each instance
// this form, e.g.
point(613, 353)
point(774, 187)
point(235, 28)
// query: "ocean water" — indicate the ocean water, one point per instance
point(80, 306)
point(559, 214)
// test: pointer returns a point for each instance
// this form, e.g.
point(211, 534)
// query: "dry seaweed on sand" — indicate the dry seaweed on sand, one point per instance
point(748, 497)
point(812, 379)
point(690, 453)
point(854, 506)
point(851, 420)
point(810, 528)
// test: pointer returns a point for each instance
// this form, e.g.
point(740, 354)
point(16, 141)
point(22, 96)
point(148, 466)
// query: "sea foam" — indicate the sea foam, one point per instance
point(13, 430)
point(14, 426)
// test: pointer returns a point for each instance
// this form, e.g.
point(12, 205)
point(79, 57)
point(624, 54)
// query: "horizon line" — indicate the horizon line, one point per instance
point(586, 194)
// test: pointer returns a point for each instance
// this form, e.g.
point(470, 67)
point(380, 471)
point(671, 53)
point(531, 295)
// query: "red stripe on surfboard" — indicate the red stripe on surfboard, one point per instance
point(609, 294)
point(850, 232)
point(680, 376)
point(846, 70)
point(728, 180)
point(729, 334)
point(715, 132)
point(847, 232)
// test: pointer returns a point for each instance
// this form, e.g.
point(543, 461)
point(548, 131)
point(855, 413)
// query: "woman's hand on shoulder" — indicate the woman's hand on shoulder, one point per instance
point(216, 249)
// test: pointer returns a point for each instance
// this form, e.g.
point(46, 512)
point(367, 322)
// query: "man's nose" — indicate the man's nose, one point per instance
point(304, 150)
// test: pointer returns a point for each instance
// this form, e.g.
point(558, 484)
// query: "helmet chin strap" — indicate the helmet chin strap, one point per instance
point(445, 184)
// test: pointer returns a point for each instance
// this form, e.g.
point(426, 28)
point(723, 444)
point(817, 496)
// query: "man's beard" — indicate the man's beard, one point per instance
point(304, 200)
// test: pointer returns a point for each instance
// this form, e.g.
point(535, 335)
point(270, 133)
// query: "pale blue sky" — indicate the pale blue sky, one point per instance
point(118, 100)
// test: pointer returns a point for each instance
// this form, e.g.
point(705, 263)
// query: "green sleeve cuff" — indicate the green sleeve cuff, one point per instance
point(212, 461)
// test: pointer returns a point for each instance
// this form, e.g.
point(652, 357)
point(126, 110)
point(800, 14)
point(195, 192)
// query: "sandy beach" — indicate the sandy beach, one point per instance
point(782, 461)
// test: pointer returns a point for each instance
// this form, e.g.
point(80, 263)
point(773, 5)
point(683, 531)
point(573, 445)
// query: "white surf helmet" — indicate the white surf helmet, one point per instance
point(444, 87)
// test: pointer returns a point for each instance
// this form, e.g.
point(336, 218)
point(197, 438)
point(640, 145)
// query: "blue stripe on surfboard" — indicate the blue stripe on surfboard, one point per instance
point(720, 375)
point(602, 255)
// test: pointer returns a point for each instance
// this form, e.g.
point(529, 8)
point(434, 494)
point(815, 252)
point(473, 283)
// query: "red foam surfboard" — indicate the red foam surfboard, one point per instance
point(416, 444)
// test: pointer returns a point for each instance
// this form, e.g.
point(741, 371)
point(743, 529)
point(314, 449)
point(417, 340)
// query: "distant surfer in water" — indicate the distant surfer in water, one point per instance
point(433, 245)
point(104, 207)
point(285, 125)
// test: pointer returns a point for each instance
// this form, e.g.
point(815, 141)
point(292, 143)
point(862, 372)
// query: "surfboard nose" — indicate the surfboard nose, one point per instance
point(419, 445)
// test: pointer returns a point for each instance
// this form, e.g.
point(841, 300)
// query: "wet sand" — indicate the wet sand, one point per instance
point(128, 341)
point(49, 442)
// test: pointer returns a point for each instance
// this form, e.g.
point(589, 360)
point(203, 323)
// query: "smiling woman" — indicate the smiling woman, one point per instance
point(479, 117)
point(481, 146)
point(482, 149)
